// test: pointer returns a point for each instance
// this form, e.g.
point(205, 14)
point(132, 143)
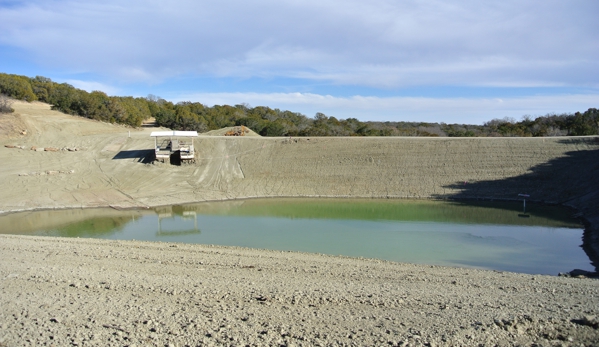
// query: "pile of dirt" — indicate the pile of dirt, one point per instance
point(224, 131)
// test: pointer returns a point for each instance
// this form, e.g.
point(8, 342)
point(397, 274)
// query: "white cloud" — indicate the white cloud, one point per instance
point(91, 86)
point(448, 110)
point(379, 43)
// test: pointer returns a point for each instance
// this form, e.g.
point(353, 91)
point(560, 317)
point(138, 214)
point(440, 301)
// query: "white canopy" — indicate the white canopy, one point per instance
point(174, 133)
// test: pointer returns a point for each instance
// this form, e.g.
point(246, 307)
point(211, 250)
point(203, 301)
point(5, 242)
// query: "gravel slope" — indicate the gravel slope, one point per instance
point(108, 167)
point(112, 293)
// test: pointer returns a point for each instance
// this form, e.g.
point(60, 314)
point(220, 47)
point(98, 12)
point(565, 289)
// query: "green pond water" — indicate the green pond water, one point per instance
point(490, 235)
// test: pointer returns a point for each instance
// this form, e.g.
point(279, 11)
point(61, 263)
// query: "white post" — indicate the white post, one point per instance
point(524, 196)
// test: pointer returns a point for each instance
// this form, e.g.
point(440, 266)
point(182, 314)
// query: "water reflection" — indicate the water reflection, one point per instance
point(100, 223)
point(185, 213)
point(487, 234)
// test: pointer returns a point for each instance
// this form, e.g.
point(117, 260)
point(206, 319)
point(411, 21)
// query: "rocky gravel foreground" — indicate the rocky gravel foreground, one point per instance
point(87, 292)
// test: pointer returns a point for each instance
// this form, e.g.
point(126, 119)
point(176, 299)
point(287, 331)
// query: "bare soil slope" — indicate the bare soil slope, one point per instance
point(108, 167)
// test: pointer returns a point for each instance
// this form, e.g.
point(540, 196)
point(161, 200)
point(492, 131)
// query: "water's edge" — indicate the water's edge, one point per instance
point(587, 236)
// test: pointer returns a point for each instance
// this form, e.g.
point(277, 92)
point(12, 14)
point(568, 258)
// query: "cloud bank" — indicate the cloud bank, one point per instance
point(379, 43)
point(421, 109)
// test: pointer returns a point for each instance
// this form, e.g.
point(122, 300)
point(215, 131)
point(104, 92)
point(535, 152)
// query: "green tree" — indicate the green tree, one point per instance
point(42, 87)
point(16, 87)
point(166, 118)
point(93, 105)
point(136, 109)
point(587, 123)
point(188, 120)
point(64, 97)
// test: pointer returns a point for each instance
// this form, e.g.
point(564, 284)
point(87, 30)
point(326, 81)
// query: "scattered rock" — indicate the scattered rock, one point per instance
point(49, 172)
point(591, 321)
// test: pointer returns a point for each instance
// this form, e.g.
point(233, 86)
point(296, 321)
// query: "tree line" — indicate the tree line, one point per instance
point(271, 122)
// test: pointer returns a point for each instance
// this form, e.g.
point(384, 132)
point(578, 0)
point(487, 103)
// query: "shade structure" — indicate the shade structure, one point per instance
point(174, 133)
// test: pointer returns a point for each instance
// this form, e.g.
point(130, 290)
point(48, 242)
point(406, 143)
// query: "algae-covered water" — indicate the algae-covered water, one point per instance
point(490, 235)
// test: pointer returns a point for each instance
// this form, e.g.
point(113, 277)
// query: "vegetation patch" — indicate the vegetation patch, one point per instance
point(272, 122)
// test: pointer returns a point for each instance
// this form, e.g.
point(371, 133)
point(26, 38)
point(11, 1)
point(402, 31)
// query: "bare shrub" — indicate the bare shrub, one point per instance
point(5, 104)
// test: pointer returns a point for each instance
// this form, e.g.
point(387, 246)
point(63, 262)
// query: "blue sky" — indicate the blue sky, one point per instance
point(389, 60)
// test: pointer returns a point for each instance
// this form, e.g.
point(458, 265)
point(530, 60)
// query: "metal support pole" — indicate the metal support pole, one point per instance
point(524, 196)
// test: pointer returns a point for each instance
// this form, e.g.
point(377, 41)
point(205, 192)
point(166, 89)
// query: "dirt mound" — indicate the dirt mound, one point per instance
point(12, 126)
point(224, 131)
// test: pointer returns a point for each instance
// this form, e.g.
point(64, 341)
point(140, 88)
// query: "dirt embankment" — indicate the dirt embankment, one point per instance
point(60, 288)
point(109, 167)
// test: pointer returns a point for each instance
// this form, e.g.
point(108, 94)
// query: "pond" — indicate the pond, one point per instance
point(489, 235)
